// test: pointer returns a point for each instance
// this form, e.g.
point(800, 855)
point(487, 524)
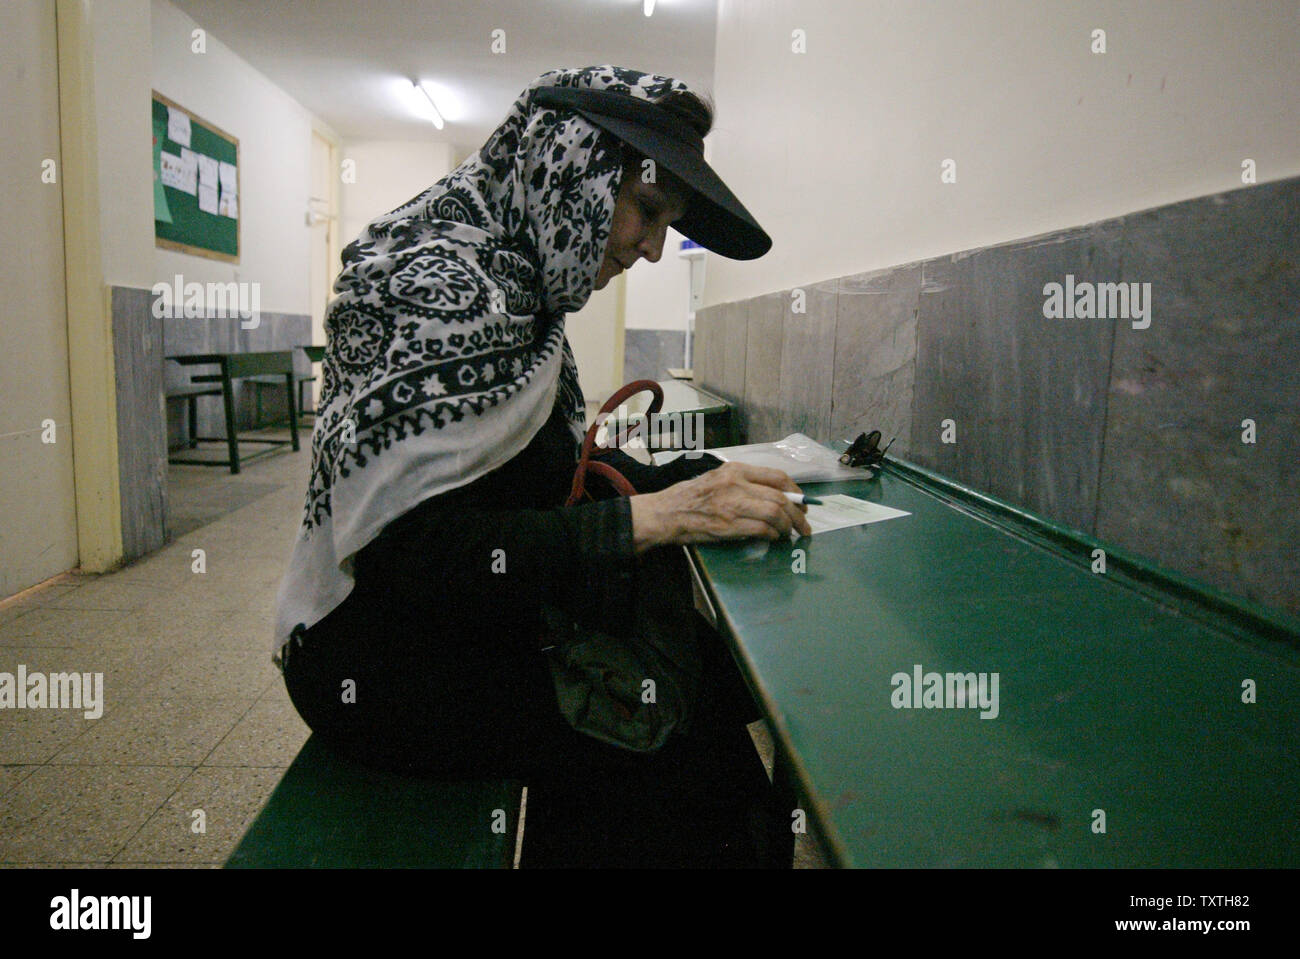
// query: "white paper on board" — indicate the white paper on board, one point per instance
point(175, 173)
point(169, 169)
point(229, 205)
point(178, 126)
point(208, 199)
point(207, 171)
point(189, 161)
point(229, 182)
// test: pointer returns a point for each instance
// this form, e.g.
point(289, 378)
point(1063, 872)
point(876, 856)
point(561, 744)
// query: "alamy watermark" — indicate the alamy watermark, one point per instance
point(921, 690)
point(1098, 301)
point(24, 690)
point(684, 431)
point(195, 301)
point(75, 912)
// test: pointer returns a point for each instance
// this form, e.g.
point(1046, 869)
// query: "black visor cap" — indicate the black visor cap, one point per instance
point(714, 218)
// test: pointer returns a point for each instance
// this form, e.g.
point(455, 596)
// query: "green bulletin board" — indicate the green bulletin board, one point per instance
point(196, 185)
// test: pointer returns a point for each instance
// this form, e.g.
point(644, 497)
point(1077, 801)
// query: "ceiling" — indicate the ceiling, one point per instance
point(345, 60)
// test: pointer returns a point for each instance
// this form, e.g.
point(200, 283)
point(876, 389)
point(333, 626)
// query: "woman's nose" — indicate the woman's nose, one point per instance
point(652, 247)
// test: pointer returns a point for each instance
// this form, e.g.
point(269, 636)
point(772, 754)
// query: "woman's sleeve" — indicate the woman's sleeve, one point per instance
point(484, 565)
point(652, 479)
point(453, 558)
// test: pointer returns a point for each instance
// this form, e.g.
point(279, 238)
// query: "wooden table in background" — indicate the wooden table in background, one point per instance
point(234, 366)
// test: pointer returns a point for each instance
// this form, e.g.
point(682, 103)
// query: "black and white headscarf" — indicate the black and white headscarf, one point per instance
point(445, 348)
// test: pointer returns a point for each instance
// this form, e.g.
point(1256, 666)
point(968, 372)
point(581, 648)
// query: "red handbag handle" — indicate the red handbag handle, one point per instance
point(586, 461)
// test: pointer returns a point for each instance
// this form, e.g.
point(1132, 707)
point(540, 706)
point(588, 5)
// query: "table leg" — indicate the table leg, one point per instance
point(192, 402)
point(293, 412)
point(228, 400)
point(789, 797)
point(785, 793)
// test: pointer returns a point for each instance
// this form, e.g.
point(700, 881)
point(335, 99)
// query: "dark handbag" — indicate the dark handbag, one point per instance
point(630, 691)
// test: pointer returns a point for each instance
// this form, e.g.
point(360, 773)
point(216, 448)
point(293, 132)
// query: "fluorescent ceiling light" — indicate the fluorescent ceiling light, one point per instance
point(649, 7)
point(424, 105)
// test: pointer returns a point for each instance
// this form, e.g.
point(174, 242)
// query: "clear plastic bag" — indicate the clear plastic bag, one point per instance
point(806, 460)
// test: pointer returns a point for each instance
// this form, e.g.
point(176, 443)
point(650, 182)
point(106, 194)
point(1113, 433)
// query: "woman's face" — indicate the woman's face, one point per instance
point(642, 214)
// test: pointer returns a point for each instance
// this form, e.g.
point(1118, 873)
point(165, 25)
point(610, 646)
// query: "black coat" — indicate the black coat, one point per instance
point(441, 636)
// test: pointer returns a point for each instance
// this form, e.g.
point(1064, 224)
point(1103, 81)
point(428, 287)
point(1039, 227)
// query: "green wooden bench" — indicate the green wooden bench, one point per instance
point(191, 393)
point(330, 814)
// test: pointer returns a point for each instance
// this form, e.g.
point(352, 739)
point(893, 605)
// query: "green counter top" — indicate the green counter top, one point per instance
point(1120, 692)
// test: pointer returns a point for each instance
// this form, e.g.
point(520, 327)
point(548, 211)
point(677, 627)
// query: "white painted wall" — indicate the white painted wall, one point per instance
point(38, 522)
point(388, 173)
point(658, 293)
point(595, 336)
point(324, 233)
point(837, 151)
point(274, 133)
point(122, 39)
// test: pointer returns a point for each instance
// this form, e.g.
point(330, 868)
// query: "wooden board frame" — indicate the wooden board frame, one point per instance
point(173, 245)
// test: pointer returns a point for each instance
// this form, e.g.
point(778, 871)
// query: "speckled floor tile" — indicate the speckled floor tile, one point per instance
point(237, 587)
point(201, 675)
point(124, 668)
point(168, 568)
point(12, 775)
point(179, 619)
point(177, 732)
point(49, 625)
point(35, 736)
point(270, 734)
point(49, 592)
point(277, 692)
point(54, 865)
point(81, 813)
point(11, 612)
point(109, 593)
point(249, 630)
point(163, 865)
point(229, 798)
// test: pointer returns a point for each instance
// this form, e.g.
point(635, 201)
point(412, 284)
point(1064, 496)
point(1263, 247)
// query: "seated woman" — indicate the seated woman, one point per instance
point(410, 624)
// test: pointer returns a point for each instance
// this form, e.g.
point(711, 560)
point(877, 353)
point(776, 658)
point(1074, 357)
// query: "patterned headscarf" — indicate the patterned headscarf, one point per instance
point(445, 348)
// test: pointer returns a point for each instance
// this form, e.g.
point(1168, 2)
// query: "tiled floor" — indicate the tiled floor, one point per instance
point(195, 717)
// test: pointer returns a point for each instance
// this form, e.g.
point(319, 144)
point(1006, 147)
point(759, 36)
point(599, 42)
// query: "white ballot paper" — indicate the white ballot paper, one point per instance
point(839, 511)
point(178, 127)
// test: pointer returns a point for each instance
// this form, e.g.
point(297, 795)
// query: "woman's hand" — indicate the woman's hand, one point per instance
point(734, 501)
